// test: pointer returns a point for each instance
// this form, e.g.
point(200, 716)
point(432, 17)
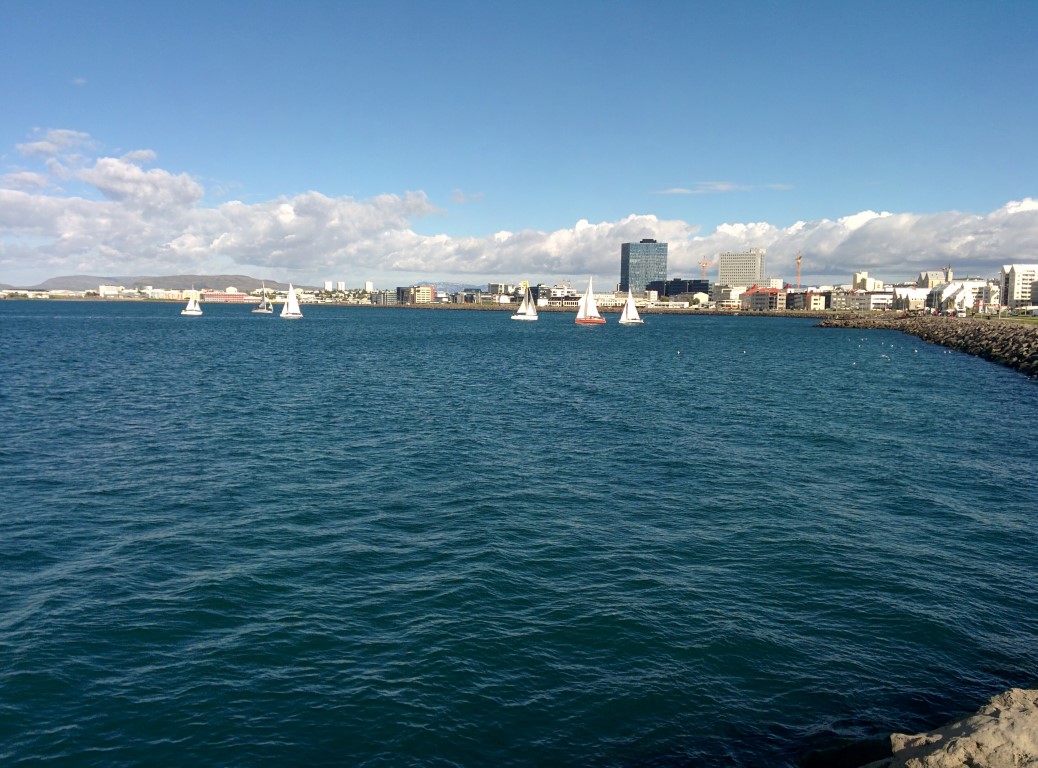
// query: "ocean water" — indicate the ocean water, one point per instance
point(394, 537)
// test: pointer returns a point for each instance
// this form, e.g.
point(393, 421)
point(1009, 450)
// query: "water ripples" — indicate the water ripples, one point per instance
point(385, 537)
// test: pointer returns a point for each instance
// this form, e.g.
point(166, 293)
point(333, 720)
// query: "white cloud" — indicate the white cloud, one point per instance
point(720, 187)
point(130, 219)
point(460, 198)
point(24, 180)
point(123, 180)
point(56, 141)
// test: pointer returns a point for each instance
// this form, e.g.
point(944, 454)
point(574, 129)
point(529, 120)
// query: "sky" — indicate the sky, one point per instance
point(454, 141)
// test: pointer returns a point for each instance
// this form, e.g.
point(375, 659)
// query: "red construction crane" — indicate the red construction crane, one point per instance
point(703, 265)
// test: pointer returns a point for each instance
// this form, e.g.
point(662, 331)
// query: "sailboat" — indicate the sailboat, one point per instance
point(528, 309)
point(587, 309)
point(290, 309)
point(265, 307)
point(630, 315)
point(193, 308)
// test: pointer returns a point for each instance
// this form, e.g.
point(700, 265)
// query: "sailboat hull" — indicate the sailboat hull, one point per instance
point(524, 317)
point(590, 321)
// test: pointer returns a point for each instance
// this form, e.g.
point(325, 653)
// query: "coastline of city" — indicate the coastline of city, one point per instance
point(967, 316)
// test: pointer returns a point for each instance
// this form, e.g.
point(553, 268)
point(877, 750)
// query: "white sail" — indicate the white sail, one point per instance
point(527, 309)
point(193, 308)
point(265, 307)
point(290, 309)
point(587, 308)
point(630, 315)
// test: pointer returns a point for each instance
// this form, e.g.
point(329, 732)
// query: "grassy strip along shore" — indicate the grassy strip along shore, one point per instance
point(1006, 342)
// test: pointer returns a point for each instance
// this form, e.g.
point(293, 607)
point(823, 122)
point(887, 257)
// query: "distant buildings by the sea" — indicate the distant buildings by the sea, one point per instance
point(742, 285)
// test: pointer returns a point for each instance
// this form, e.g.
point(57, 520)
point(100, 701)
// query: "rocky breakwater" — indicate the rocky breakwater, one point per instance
point(1002, 734)
point(1008, 343)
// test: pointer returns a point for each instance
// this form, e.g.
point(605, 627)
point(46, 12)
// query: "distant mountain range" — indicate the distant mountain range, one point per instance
point(168, 282)
point(180, 282)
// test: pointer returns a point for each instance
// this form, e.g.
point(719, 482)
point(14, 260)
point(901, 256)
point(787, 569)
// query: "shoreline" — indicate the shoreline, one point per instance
point(1000, 734)
point(1002, 341)
point(1011, 344)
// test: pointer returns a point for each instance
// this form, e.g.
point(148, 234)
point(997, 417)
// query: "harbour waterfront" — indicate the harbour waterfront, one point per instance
point(1010, 343)
point(443, 538)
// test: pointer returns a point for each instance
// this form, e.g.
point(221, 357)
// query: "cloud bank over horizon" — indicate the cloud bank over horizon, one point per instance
point(67, 208)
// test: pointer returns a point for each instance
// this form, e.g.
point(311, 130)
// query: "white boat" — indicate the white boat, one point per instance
point(527, 309)
point(193, 308)
point(290, 309)
point(265, 306)
point(587, 309)
point(630, 315)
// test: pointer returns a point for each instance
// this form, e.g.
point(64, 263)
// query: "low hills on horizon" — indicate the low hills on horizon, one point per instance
point(166, 282)
point(243, 283)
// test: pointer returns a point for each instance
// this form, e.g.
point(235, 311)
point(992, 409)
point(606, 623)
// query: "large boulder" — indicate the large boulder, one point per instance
point(1002, 734)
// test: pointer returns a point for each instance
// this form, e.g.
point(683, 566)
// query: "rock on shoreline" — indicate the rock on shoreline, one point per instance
point(1002, 734)
point(1014, 345)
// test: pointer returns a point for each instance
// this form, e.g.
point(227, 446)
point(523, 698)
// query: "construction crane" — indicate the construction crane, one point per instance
point(799, 258)
point(703, 265)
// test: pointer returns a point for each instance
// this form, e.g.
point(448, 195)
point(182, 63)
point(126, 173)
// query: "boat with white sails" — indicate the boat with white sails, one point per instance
point(587, 309)
point(527, 309)
point(290, 309)
point(193, 308)
point(630, 315)
point(265, 306)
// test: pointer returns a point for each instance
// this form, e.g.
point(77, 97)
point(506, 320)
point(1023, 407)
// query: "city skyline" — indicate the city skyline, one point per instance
point(409, 143)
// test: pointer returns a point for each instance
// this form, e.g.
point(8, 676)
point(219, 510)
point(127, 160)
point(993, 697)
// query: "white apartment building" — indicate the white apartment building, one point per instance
point(741, 269)
point(1018, 284)
point(863, 282)
point(910, 298)
point(970, 294)
point(726, 295)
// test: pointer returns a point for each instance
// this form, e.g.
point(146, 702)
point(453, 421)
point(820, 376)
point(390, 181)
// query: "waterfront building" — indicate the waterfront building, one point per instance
point(763, 299)
point(230, 296)
point(416, 294)
point(741, 269)
point(806, 300)
point(678, 286)
point(1018, 284)
point(971, 294)
point(642, 263)
point(726, 295)
point(909, 298)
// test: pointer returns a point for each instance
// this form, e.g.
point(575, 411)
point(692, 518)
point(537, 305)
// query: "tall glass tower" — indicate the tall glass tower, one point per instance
point(642, 263)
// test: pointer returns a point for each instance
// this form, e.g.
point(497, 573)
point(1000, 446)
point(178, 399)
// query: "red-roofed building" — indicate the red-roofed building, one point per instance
point(763, 299)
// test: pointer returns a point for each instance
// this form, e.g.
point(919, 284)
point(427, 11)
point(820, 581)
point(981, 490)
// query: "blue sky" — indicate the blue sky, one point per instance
point(468, 141)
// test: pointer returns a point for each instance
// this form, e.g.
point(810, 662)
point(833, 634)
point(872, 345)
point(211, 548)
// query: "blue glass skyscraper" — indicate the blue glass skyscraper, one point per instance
point(642, 263)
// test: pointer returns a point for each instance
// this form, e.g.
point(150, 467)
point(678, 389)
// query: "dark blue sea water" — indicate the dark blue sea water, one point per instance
point(385, 537)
